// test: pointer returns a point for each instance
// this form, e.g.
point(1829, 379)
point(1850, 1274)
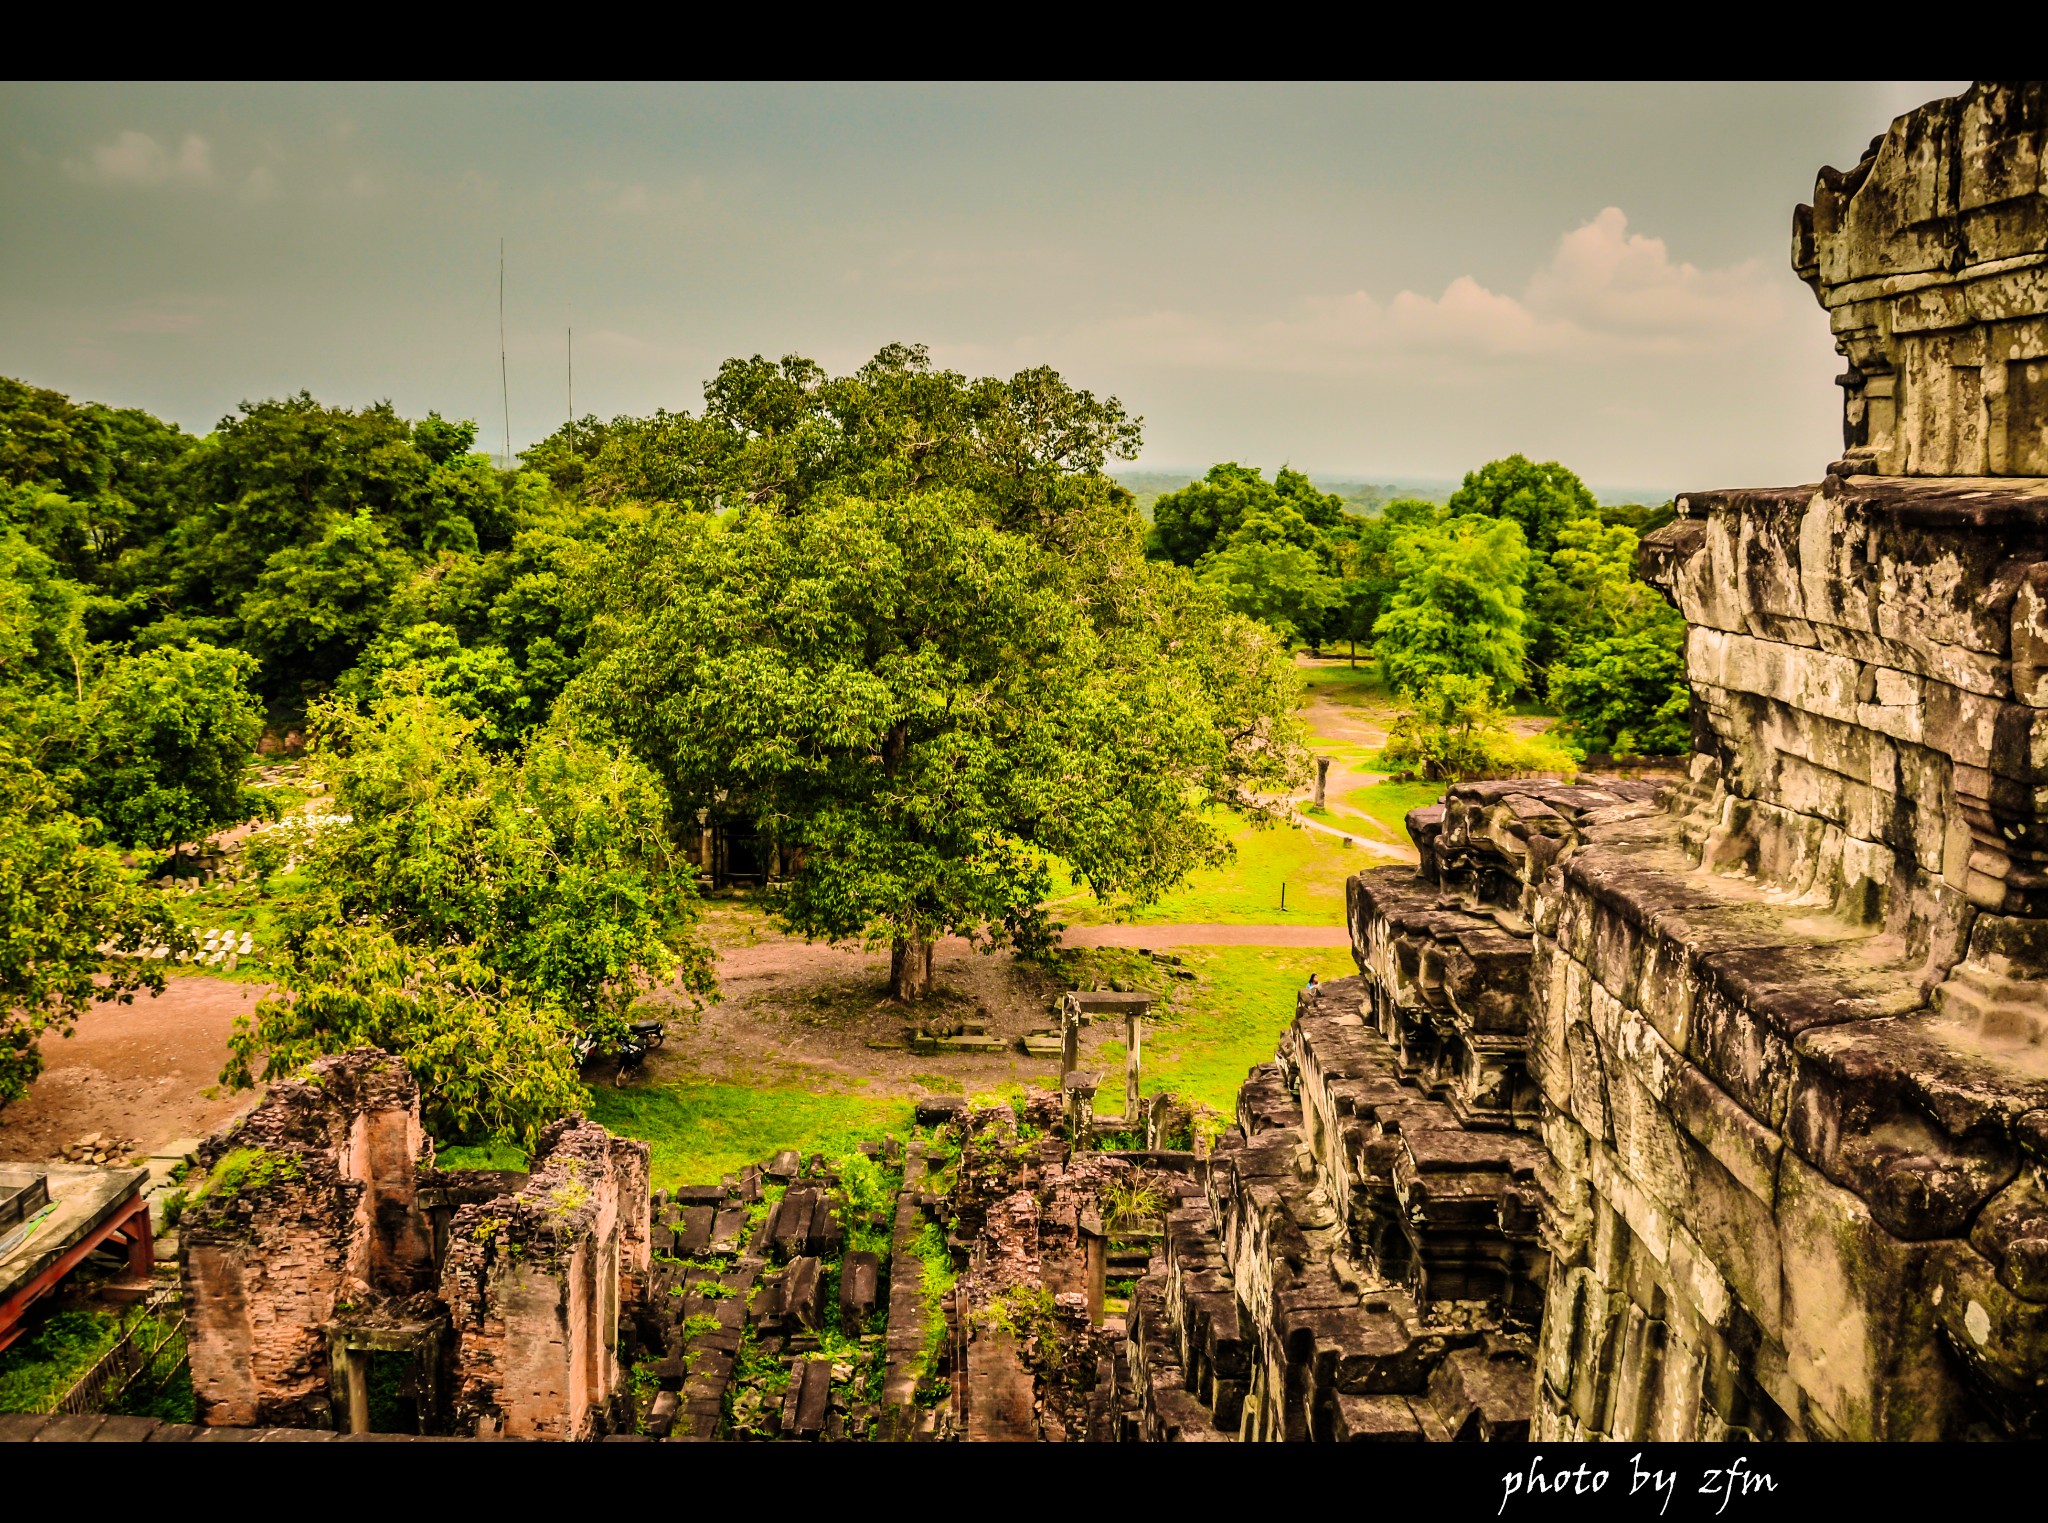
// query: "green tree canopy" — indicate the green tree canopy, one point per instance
point(63, 896)
point(1455, 730)
point(315, 607)
point(926, 706)
point(774, 434)
point(163, 737)
point(480, 683)
point(1268, 577)
point(1201, 516)
point(1627, 694)
point(1619, 679)
point(1458, 609)
point(1541, 499)
point(90, 486)
point(470, 912)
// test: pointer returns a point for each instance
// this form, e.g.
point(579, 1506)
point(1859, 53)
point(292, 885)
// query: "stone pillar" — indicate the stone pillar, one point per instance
point(1070, 1036)
point(1095, 1258)
point(1322, 778)
point(1079, 1090)
point(1134, 1028)
point(357, 1365)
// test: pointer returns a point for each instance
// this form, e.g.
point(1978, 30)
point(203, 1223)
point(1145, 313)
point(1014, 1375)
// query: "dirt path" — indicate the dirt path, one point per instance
point(146, 1071)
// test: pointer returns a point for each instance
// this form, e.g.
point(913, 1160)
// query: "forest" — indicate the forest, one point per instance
point(903, 622)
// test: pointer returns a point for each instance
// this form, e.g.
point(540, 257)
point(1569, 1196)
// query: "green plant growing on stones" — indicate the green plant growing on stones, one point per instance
point(247, 1170)
point(1128, 1204)
point(935, 1284)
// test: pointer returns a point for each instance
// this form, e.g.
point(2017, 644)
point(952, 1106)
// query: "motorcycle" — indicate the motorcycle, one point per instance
point(642, 1037)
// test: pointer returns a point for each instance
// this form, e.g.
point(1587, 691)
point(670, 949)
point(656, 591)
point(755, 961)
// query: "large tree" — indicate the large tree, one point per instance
point(932, 662)
point(63, 897)
point(472, 912)
point(1539, 498)
point(1619, 677)
point(1459, 607)
point(63, 891)
point(1270, 577)
point(163, 736)
point(1203, 515)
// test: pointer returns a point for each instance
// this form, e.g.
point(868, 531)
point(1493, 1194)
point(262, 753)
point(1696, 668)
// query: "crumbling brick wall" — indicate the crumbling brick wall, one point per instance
point(535, 1283)
point(312, 1227)
point(309, 1206)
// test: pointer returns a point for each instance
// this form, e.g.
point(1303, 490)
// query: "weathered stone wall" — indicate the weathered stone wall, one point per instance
point(534, 1283)
point(1734, 1093)
point(316, 1232)
point(1931, 257)
point(309, 1206)
point(1790, 1038)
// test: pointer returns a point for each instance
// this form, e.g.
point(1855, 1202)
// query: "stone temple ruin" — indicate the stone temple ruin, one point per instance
point(327, 1251)
point(1720, 1109)
point(1654, 1112)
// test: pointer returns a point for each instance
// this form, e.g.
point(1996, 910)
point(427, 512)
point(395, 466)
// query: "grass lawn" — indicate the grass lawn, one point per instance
point(1387, 805)
point(1346, 684)
point(701, 1131)
point(489, 1155)
point(238, 907)
point(1202, 1045)
point(1246, 891)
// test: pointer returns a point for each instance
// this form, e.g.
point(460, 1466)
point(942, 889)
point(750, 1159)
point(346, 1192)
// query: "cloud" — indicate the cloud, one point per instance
point(1625, 286)
point(261, 185)
point(136, 158)
point(1606, 294)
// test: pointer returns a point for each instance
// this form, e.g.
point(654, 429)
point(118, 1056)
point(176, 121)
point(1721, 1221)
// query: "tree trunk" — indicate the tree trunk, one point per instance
point(1354, 650)
point(910, 968)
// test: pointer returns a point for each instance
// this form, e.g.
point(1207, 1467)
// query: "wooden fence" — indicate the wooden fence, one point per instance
point(148, 1354)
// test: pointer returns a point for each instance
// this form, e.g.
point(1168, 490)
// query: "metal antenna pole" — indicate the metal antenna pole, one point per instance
point(504, 380)
point(572, 377)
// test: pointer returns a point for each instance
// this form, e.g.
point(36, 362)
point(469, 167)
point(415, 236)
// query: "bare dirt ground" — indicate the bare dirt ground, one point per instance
point(145, 1071)
point(794, 1012)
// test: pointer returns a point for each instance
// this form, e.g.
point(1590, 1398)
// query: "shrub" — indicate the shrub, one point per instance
point(1457, 731)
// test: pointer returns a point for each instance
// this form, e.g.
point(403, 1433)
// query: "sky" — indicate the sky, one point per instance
point(1375, 282)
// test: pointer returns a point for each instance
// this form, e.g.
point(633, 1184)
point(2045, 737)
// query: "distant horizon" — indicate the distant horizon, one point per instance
point(1608, 494)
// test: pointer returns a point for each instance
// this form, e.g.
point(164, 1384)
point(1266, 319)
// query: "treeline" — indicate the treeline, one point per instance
point(1521, 586)
point(899, 621)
